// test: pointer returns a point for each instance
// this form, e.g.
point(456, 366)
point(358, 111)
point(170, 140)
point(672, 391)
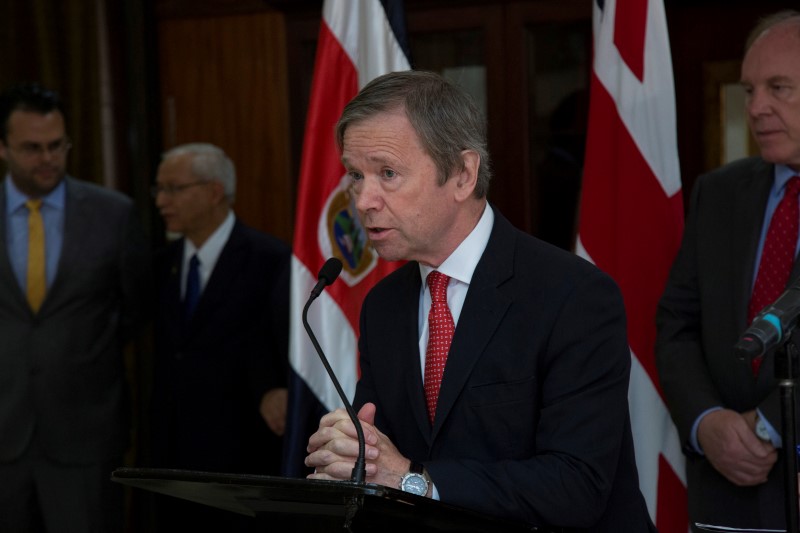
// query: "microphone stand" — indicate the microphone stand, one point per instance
point(786, 361)
point(360, 468)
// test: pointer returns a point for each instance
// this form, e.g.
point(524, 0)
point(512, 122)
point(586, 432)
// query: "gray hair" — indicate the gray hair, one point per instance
point(209, 163)
point(769, 22)
point(443, 116)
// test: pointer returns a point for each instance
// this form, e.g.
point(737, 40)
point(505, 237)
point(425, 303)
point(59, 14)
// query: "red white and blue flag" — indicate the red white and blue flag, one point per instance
point(358, 41)
point(631, 219)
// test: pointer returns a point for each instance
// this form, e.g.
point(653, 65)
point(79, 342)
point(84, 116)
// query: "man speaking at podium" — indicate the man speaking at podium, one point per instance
point(494, 367)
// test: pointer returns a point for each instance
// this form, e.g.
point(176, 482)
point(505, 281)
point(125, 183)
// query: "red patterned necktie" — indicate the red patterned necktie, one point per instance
point(777, 257)
point(441, 329)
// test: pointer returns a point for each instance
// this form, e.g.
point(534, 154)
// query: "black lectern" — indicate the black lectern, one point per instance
point(302, 505)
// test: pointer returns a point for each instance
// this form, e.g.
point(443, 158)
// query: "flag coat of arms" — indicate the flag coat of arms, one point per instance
point(358, 41)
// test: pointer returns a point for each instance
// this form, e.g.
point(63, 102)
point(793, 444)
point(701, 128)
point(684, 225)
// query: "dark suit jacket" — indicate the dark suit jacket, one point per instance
point(211, 373)
point(532, 420)
point(701, 315)
point(62, 369)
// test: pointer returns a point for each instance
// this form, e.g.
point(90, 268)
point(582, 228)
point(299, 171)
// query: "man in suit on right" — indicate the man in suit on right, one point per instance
point(737, 256)
point(494, 366)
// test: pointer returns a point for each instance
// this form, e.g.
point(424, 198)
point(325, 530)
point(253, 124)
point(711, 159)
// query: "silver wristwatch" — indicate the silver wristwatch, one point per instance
point(761, 430)
point(415, 481)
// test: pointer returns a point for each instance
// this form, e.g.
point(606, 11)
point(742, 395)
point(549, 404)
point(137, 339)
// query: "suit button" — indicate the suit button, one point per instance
point(36, 370)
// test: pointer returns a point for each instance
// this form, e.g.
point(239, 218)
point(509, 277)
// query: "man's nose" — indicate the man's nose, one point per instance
point(368, 194)
point(161, 198)
point(757, 102)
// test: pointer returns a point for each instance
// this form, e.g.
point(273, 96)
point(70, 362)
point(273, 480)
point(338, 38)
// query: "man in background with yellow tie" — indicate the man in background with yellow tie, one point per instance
point(74, 272)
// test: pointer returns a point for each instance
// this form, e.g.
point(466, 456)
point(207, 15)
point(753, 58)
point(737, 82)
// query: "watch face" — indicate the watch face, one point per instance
point(414, 484)
point(761, 430)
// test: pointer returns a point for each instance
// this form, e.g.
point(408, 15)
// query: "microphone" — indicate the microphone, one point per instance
point(327, 275)
point(772, 325)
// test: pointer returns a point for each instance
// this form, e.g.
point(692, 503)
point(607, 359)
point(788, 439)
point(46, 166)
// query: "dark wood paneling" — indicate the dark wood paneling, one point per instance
point(223, 80)
point(217, 71)
point(302, 34)
point(488, 19)
point(209, 8)
point(515, 103)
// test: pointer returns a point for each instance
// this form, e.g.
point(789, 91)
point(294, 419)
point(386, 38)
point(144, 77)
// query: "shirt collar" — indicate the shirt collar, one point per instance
point(782, 175)
point(461, 264)
point(15, 198)
point(210, 251)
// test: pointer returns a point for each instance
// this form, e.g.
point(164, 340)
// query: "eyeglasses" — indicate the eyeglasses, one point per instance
point(57, 148)
point(170, 189)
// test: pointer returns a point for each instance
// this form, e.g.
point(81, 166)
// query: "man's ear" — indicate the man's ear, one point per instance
point(218, 190)
point(467, 178)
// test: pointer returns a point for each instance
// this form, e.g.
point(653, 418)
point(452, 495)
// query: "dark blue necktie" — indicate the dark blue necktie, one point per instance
point(192, 288)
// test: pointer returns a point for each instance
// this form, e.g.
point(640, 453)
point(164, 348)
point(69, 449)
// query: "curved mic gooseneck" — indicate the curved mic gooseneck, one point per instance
point(327, 275)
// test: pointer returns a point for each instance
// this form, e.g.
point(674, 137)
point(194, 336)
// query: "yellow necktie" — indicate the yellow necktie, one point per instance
point(37, 284)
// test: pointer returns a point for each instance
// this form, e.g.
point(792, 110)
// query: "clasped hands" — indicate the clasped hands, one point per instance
point(730, 444)
point(333, 449)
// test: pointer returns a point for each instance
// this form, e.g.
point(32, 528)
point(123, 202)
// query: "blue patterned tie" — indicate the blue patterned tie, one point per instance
point(192, 288)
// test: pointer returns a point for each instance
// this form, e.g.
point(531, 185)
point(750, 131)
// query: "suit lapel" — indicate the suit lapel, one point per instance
point(233, 254)
point(7, 276)
point(171, 272)
point(751, 199)
point(400, 337)
point(76, 229)
point(484, 308)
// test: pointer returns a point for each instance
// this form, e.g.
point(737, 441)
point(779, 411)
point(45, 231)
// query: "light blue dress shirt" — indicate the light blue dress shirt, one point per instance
point(53, 209)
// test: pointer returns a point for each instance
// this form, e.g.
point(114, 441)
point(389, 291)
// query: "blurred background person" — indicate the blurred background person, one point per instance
point(737, 256)
point(74, 275)
point(221, 334)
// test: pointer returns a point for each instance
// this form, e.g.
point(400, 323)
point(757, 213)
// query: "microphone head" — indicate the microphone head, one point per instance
point(749, 347)
point(330, 271)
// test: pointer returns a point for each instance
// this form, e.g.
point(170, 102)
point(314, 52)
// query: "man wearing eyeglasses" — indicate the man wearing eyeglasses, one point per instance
point(74, 272)
point(221, 330)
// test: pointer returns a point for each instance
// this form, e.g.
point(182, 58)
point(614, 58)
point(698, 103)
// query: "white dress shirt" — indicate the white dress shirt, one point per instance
point(207, 254)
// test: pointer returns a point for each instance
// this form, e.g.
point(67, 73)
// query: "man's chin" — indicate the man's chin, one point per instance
point(174, 229)
point(387, 252)
point(777, 156)
point(47, 182)
point(40, 188)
